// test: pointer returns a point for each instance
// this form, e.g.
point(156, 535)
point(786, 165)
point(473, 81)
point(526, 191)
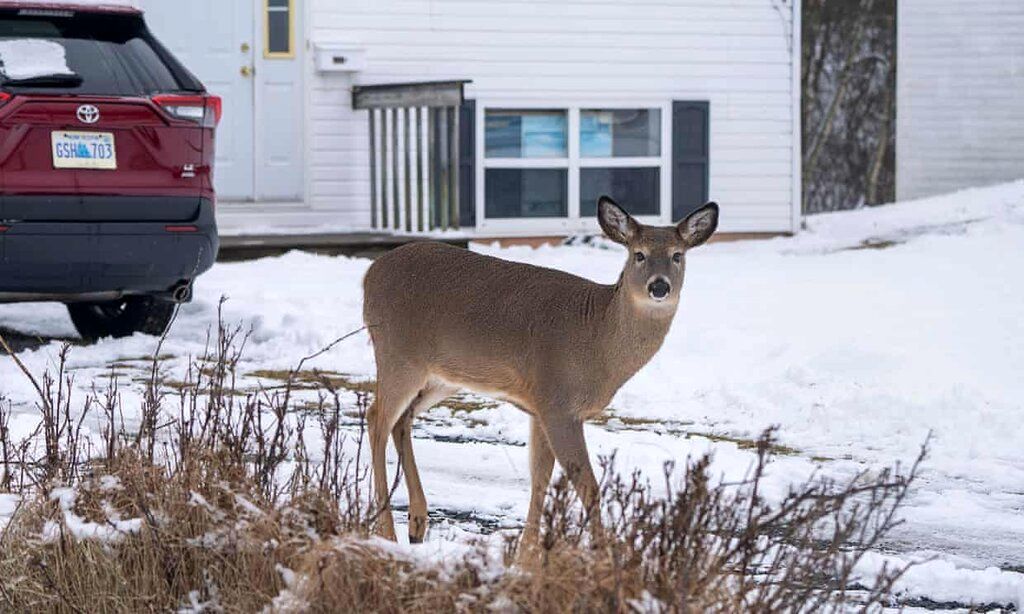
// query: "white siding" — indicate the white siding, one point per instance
point(734, 53)
point(960, 94)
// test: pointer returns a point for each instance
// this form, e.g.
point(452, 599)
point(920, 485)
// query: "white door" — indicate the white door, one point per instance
point(279, 102)
point(215, 40)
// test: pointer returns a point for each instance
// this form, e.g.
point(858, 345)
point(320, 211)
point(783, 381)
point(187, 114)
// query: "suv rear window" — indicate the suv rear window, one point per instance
point(106, 54)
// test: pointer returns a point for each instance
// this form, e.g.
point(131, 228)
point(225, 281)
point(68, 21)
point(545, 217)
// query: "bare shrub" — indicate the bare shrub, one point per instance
point(705, 547)
point(214, 502)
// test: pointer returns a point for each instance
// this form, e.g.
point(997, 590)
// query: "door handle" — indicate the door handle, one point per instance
point(247, 71)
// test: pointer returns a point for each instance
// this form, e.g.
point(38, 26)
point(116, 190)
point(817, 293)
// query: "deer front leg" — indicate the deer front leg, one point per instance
point(565, 435)
point(542, 461)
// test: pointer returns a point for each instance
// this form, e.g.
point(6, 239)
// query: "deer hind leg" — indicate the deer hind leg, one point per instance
point(394, 396)
point(542, 461)
point(402, 435)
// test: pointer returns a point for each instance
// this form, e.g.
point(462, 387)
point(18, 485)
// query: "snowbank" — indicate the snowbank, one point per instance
point(857, 337)
point(946, 582)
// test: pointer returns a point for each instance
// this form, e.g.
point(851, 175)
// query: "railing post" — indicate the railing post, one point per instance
point(373, 169)
point(453, 166)
point(419, 168)
point(397, 222)
point(432, 167)
point(408, 170)
point(384, 169)
point(443, 157)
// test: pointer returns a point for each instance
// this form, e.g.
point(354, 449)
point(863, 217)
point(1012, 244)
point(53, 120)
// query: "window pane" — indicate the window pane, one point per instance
point(113, 54)
point(526, 134)
point(638, 190)
point(620, 133)
point(277, 3)
point(532, 192)
point(278, 32)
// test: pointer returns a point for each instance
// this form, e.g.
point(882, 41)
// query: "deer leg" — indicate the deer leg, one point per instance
point(402, 436)
point(542, 461)
point(565, 435)
point(392, 399)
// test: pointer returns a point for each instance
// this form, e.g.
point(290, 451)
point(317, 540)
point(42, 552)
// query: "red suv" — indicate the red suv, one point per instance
point(106, 160)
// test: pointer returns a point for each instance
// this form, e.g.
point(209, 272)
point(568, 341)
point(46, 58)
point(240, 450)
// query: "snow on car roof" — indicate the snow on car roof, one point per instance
point(119, 6)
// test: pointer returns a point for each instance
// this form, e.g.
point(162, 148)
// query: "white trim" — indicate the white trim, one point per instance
point(527, 162)
point(666, 160)
point(796, 210)
point(305, 60)
point(644, 162)
point(573, 194)
point(257, 94)
point(573, 163)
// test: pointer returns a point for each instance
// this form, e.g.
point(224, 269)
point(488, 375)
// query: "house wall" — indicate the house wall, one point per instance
point(734, 53)
point(960, 94)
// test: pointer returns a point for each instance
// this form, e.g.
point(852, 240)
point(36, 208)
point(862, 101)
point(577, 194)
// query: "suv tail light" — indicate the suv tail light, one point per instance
point(204, 110)
point(4, 97)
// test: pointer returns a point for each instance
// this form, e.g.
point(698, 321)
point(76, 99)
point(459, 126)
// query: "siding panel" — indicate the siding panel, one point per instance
point(960, 95)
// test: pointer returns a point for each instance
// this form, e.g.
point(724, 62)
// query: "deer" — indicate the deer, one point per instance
point(443, 319)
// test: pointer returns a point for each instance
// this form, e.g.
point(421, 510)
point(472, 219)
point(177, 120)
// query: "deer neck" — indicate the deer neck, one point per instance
point(634, 331)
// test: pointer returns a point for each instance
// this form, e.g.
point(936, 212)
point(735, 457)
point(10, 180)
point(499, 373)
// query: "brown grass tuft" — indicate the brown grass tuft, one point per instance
point(214, 502)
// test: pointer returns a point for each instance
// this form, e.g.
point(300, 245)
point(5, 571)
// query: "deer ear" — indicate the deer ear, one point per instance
point(615, 222)
point(699, 225)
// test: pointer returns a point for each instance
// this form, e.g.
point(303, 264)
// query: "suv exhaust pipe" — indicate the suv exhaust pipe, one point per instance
point(180, 292)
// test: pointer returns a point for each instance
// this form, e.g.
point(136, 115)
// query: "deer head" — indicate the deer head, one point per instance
point(656, 265)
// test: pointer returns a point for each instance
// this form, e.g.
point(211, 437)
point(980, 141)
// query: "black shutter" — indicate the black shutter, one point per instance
point(689, 157)
point(467, 164)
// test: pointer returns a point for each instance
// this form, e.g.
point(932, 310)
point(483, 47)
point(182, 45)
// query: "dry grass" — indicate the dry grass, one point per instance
point(214, 503)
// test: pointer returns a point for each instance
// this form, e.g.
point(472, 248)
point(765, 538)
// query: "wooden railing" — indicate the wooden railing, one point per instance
point(407, 123)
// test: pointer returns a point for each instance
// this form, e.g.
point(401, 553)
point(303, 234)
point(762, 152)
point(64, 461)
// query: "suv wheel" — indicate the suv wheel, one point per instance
point(121, 318)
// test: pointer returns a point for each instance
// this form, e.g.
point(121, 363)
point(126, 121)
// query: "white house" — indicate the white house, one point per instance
point(959, 93)
point(663, 104)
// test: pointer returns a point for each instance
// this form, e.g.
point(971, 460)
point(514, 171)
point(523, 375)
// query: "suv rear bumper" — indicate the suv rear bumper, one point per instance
point(73, 261)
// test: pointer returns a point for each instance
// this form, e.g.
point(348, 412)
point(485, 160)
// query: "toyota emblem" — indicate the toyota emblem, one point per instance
point(88, 114)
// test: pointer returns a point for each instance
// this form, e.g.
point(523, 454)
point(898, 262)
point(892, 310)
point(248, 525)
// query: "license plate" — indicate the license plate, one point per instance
point(94, 150)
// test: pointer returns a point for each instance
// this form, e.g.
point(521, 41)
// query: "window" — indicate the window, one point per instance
point(556, 163)
point(526, 134)
point(90, 53)
point(527, 158)
point(279, 21)
point(618, 134)
point(526, 192)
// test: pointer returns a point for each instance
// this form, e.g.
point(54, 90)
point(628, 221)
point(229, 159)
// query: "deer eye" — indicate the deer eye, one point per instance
point(677, 257)
point(639, 256)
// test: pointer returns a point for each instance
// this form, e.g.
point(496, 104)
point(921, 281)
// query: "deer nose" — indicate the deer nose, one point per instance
point(659, 288)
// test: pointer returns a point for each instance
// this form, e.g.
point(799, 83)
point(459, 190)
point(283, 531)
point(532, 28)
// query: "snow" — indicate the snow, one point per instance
point(25, 58)
point(8, 505)
point(945, 582)
point(113, 530)
point(858, 337)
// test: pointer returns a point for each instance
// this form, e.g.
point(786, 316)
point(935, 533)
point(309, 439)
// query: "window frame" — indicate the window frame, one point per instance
point(278, 55)
point(572, 223)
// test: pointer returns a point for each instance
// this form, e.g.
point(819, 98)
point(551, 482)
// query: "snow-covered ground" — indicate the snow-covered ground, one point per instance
point(858, 337)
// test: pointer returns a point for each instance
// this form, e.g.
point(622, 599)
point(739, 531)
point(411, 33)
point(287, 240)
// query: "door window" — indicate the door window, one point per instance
point(279, 22)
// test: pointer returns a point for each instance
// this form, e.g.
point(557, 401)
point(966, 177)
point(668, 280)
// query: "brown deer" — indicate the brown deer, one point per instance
point(554, 345)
